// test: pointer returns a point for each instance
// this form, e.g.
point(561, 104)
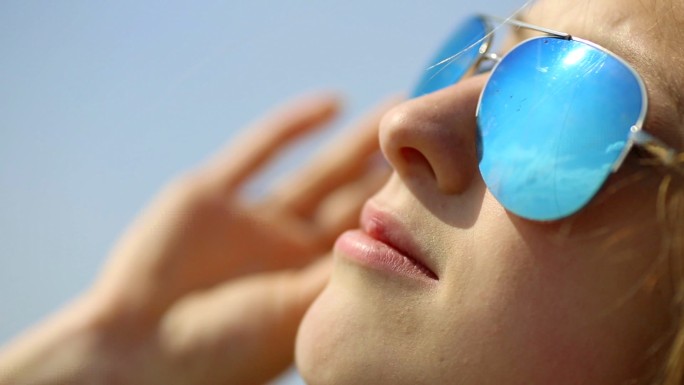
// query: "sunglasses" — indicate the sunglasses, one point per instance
point(557, 116)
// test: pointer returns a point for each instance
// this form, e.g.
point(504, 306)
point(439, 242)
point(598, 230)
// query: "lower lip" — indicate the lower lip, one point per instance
point(369, 252)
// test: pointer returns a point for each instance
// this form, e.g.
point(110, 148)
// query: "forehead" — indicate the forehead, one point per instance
point(646, 33)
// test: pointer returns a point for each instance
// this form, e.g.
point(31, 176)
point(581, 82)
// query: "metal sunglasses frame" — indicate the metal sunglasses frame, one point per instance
point(637, 137)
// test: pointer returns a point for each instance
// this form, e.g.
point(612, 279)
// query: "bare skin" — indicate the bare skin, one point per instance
point(583, 300)
point(207, 287)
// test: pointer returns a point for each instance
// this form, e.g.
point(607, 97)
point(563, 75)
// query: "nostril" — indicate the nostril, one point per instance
point(415, 161)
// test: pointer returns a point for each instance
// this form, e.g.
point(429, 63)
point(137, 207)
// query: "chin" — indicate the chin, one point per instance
point(327, 345)
point(314, 352)
point(352, 334)
point(332, 344)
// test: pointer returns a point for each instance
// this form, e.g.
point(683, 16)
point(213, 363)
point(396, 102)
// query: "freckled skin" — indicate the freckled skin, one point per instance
point(575, 301)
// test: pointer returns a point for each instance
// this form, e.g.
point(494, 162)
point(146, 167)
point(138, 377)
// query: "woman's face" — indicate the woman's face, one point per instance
point(500, 299)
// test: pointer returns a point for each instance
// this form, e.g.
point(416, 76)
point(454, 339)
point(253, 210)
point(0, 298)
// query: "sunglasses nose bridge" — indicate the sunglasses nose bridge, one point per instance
point(486, 62)
point(490, 57)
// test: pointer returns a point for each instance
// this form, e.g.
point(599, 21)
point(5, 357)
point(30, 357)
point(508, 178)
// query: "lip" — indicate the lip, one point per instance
point(382, 243)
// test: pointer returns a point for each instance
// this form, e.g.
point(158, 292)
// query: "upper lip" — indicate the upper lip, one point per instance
point(387, 229)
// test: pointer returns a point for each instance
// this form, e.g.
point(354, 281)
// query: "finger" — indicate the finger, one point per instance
point(244, 331)
point(340, 211)
point(302, 239)
point(338, 164)
point(262, 140)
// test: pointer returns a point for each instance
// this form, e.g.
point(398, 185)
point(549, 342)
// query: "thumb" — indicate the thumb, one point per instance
point(245, 330)
point(289, 297)
point(303, 286)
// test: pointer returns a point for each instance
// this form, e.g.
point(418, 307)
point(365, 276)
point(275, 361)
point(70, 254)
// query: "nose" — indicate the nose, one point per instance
point(433, 138)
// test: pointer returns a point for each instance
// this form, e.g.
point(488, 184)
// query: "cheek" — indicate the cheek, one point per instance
point(500, 312)
point(554, 307)
point(511, 322)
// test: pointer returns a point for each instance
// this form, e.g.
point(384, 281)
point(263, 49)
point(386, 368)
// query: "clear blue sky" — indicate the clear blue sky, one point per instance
point(103, 102)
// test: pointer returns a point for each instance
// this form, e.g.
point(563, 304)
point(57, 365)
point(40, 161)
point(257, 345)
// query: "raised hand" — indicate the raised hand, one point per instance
point(207, 286)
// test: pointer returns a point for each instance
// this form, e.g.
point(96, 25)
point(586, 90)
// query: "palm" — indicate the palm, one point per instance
point(181, 258)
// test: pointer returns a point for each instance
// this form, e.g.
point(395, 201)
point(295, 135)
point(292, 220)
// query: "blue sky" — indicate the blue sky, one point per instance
point(101, 103)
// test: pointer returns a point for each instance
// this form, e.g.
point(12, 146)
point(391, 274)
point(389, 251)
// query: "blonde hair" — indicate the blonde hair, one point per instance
point(670, 15)
point(671, 217)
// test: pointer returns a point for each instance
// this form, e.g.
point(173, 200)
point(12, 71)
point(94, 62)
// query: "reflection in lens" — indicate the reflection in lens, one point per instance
point(553, 119)
point(455, 58)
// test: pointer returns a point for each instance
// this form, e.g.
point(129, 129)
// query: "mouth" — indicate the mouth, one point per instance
point(383, 243)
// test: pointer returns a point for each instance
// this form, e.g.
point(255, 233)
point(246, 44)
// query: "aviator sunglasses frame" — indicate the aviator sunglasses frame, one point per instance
point(484, 60)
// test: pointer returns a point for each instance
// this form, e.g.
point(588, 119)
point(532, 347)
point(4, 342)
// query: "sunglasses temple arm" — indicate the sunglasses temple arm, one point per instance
point(522, 24)
point(654, 146)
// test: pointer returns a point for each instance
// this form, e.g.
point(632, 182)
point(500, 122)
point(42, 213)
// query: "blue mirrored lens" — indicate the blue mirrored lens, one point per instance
point(454, 59)
point(553, 119)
